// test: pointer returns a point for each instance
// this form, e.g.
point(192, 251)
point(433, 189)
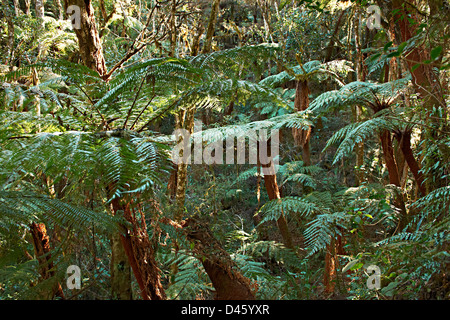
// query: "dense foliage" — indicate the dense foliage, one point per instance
point(362, 173)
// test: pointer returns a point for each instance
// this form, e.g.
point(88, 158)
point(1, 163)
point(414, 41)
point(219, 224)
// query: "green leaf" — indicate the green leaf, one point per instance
point(401, 47)
point(357, 266)
point(435, 53)
point(387, 45)
point(350, 265)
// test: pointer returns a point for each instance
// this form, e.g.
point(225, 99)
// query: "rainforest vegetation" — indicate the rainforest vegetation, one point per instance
point(350, 99)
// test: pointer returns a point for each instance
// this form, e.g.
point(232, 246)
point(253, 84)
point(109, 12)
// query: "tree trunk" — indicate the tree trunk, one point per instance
point(173, 29)
point(388, 151)
point(334, 249)
point(10, 43)
point(211, 26)
point(39, 7)
point(140, 252)
point(360, 76)
point(425, 81)
point(228, 282)
point(89, 42)
point(41, 243)
point(394, 178)
point(16, 7)
point(27, 4)
point(172, 184)
point(302, 137)
point(120, 270)
point(404, 140)
point(183, 120)
point(270, 182)
point(195, 45)
point(60, 9)
point(330, 47)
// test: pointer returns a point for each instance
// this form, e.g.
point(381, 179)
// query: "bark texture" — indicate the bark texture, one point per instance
point(425, 81)
point(211, 27)
point(184, 120)
point(393, 172)
point(225, 276)
point(302, 137)
point(273, 191)
point(41, 243)
point(120, 270)
point(140, 252)
point(91, 51)
point(404, 139)
point(334, 249)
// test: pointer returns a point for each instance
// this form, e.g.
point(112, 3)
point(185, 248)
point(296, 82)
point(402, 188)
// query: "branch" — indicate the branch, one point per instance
point(132, 51)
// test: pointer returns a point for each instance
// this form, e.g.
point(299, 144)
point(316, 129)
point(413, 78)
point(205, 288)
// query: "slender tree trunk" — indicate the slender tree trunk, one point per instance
point(120, 270)
point(16, 7)
point(41, 243)
point(39, 7)
point(302, 137)
point(173, 29)
point(405, 144)
point(330, 47)
point(334, 250)
point(211, 26)
point(394, 66)
point(10, 52)
point(273, 192)
point(183, 120)
point(265, 13)
point(262, 230)
point(172, 184)
point(360, 76)
point(195, 45)
point(270, 182)
point(401, 164)
point(394, 178)
point(27, 4)
point(391, 165)
point(60, 9)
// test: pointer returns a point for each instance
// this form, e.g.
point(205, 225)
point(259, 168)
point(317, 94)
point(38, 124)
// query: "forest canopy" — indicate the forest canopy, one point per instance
point(224, 149)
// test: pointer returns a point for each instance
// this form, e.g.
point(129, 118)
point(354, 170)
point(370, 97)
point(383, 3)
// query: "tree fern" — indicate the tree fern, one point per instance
point(360, 132)
point(359, 93)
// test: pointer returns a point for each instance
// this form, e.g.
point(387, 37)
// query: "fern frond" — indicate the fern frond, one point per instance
point(320, 232)
point(22, 208)
point(191, 279)
point(361, 132)
point(273, 209)
point(358, 93)
point(274, 250)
